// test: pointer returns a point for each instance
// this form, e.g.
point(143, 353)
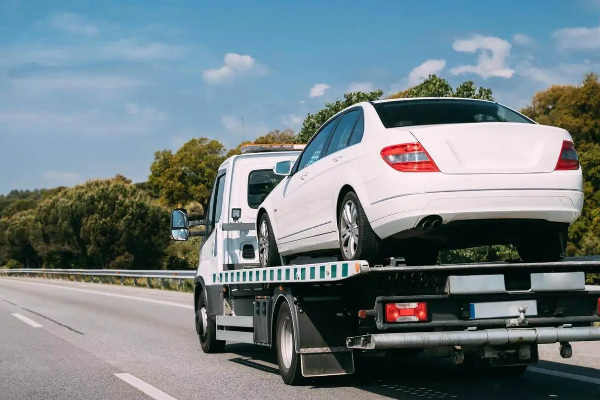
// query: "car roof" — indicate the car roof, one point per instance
point(427, 98)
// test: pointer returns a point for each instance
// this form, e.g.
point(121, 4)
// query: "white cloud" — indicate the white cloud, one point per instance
point(235, 64)
point(132, 108)
point(578, 38)
point(74, 23)
point(145, 112)
point(562, 74)
point(128, 49)
point(45, 84)
point(232, 124)
point(421, 72)
point(292, 119)
point(360, 87)
point(522, 39)
point(72, 55)
point(318, 90)
point(61, 178)
point(489, 65)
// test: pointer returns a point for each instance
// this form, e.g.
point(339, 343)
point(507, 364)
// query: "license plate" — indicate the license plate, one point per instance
point(502, 309)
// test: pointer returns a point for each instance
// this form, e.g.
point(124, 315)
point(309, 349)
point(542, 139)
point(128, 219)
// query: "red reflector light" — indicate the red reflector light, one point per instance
point(598, 308)
point(409, 157)
point(568, 159)
point(406, 312)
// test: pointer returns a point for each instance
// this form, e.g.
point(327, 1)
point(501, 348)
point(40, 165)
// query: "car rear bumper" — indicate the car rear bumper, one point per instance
point(396, 214)
point(494, 337)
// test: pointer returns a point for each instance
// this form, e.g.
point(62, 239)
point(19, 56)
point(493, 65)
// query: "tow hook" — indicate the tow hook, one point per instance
point(521, 321)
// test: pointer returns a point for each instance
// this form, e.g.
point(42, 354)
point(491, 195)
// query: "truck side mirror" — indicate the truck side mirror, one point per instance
point(283, 168)
point(180, 229)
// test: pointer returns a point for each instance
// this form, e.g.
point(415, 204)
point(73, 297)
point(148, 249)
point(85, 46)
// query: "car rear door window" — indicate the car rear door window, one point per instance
point(359, 129)
point(342, 133)
point(313, 151)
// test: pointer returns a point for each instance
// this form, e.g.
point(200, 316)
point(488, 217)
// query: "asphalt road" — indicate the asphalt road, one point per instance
point(71, 340)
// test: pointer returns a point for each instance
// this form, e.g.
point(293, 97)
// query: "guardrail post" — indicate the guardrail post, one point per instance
point(122, 281)
point(134, 281)
point(150, 283)
point(162, 283)
point(110, 279)
point(180, 284)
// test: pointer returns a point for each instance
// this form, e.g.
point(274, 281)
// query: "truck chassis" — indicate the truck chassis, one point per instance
point(320, 316)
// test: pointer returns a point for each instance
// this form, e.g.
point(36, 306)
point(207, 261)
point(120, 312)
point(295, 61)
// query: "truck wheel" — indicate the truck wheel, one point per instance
point(357, 239)
point(287, 358)
point(543, 247)
point(268, 255)
point(206, 327)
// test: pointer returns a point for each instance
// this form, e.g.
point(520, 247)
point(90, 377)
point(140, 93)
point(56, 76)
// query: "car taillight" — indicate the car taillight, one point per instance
point(568, 159)
point(405, 312)
point(409, 157)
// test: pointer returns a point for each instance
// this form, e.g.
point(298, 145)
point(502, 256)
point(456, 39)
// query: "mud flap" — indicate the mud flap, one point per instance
point(327, 364)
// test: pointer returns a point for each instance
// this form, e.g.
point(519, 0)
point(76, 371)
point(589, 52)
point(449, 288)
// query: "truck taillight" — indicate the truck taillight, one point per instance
point(406, 312)
point(568, 159)
point(409, 157)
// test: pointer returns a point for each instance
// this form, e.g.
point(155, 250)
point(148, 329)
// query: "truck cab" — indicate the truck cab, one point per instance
point(241, 184)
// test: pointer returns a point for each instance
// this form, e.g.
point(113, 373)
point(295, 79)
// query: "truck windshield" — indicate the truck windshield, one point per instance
point(260, 184)
point(440, 111)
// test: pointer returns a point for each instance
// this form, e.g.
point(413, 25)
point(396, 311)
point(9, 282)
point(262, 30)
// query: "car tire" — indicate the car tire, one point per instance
point(268, 254)
point(287, 357)
point(206, 326)
point(357, 239)
point(543, 247)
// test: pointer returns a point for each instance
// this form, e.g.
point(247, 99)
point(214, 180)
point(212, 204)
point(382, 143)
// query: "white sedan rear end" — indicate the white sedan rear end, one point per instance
point(412, 177)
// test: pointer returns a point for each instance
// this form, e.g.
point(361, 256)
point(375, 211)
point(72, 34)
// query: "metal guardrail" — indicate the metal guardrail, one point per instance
point(122, 273)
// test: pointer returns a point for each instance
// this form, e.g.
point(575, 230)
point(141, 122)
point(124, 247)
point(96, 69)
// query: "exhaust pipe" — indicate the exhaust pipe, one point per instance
point(430, 222)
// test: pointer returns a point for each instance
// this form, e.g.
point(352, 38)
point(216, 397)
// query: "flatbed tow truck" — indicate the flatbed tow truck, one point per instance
point(321, 314)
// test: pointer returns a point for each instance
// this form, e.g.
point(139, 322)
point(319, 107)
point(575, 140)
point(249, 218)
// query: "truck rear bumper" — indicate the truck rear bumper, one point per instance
point(493, 337)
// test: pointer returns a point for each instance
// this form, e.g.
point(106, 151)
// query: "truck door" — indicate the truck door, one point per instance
point(211, 253)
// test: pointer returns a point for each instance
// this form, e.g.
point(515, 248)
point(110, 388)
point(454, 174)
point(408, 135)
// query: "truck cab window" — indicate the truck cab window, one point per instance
point(260, 184)
point(216, 202)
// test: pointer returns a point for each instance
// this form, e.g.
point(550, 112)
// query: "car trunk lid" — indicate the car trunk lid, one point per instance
point(494, 147)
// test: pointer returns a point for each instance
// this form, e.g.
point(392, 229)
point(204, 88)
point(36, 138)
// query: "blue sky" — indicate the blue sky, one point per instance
point(92, 89)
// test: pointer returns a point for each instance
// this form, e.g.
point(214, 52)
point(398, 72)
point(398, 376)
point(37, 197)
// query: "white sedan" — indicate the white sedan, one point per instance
point(410, 177)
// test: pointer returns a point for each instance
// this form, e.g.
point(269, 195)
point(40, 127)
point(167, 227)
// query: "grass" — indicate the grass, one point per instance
point(183, 285)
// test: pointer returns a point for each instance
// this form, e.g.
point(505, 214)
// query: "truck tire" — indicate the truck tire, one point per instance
point(268, 254)
point(206, 326)
point(287, 358)
point(357, 239)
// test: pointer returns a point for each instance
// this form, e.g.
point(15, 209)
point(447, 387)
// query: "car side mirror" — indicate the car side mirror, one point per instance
point(283, 168)
point(180, 227)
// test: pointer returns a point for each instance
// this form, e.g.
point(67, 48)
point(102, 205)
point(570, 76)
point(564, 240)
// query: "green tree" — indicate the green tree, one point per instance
point(187, 175)
point(314, 121)
point(104, 223)
point(577, 109)
point(434, 86)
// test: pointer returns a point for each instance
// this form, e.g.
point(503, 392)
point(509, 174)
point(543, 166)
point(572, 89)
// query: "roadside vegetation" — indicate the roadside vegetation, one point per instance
point(117, 224)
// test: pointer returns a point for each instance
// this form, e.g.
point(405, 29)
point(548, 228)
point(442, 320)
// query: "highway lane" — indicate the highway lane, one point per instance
point(90, 332)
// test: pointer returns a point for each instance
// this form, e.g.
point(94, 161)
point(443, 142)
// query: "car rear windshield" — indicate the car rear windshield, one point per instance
point(260, 184)
point(431, 112)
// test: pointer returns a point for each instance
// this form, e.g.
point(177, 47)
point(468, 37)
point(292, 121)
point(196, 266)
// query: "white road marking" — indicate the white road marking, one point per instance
point(144, 387)
point(122, 296)
point(27, 320)
point(566, 375)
